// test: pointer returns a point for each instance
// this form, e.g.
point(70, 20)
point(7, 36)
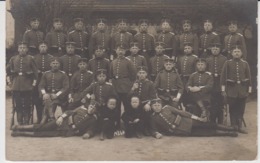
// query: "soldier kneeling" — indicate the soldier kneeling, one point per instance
point(172, 121)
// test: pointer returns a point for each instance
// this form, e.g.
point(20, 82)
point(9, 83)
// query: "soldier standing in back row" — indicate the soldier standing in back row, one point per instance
point(236, 85)
point(42, 61)
point(121, 38)
point(69, 61)
point(33, 36)
point(56, 39)
point(168, 38)
point(207, 39)
point(101, 38)
point(144, 40)
point(232, 39)
point(138, 60)
point(23, 73)
point(80, 37)
point(188, 36)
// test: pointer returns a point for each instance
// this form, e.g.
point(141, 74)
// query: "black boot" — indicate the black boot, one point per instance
point(225, 128)
point(226, 133)
point(18, 133)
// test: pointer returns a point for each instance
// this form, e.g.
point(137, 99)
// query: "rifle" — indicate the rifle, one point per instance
point(13, 112)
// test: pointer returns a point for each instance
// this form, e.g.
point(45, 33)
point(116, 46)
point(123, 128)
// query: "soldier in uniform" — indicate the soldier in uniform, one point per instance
point(156, 62)
point(137, 59)
point(100, 38)
point(207, 39)
point(69, 61)
point(123, 75)
point(54, 87)
point(145, 40)
point(23, 73)
point(169, 85)
point(188, 36)
point(122, 38)
point(80, 80)
point(172, 121)
point(199, 88)
point(33, 36)
point(215, 64)
point(232, 39)
point(145, 90)
point(186, 65)
point(76, 122)
point(168, 38)
point(42, 61)
point(56, 39)
point(80, 37)
point(99, 61)
point(236, 85)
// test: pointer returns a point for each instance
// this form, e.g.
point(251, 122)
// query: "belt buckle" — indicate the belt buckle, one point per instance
point(167, 90)
point(216, 75)
point(59, 48)
point(82, 49)
point(144, 50)
point(52, 90)
point(20, 73)
point(238, 82)
point(70, 74)
point(116, 77)
point(205, 50)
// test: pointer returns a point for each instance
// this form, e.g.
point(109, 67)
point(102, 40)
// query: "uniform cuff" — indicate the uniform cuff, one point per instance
point(250, 89)
point(88, 96)
point(223, 88)
point(43, 91)
point(70, 96)
point(64, 115)
point(58, 93)
point(178, 96)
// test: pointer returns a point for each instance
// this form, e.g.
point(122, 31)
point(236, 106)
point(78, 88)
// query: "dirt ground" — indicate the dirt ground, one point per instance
point(244, 147)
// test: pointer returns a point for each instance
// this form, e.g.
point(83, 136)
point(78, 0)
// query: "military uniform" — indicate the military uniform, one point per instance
point(75, 122)
point(206, 40)
point(69, 63)
point(138, 60)
point(214, 66)
point(79, 81)
point(56, 40)
point(81, 38)
point(54, 82)
point(100, 38)
point(43, 64)
point(169, 85)
point(33, 38)
point(233, 39)
point(235, 80)
point(99, 63)
point(24, 74)
point(157, 65)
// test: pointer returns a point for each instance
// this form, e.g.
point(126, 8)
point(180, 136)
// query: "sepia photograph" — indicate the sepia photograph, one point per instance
point(131, 80)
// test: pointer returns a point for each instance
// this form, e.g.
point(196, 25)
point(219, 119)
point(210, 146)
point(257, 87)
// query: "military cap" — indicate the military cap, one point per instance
point(165, 21)
point(162, 44)
point(236, 47)
point(187, 44)
point(216, 44)
point(141, 21)
point(234, 22)
point(70, 43)
point(57, 59)
point(83, 60)
point(78, 20)
point(134, 44)
point(101, 20)
point(168, 60)
point(207, 21)
point(22, 43)
point(121, 47)
point(142, 68)
point(186, 22)
point(201, 60)
point(121, 21)
point(154, 101)
point(101, 71)
point(57, 20)
point(34, 19)
point(43, 42)
point(99, 47)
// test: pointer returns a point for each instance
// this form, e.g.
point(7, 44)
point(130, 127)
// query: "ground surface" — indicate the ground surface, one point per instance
point(243, 147)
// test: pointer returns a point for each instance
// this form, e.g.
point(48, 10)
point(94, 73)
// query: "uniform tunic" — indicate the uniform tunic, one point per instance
point(186, 65)
point(232, 40)
point(80, 81)
point(170, 41)
point(188, 37)
point(56, 40)
point(122, 39)
point(138, 60)
point(236, 78)
point(123, 73)
point(100, 38)
point(33, 38)
point(99, 63)
point(24, 71)
point(81, 38)
point(43, 62)
point(69, 63)
point(206, 40)
point(201, 79)
point(157, 64)
point(145, 43)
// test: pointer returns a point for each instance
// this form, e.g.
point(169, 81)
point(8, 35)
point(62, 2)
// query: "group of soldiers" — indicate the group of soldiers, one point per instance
point(185, 72)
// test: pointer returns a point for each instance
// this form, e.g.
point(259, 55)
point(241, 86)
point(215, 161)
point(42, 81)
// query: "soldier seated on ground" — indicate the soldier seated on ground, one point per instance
point(199, 88)
point(172, 121)
point(76, 122)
